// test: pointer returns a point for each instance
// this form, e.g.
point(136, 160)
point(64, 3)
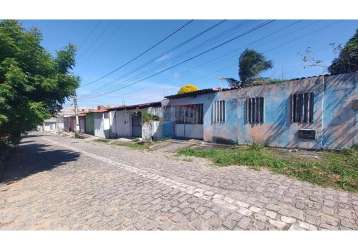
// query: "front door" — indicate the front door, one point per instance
point(137, 124)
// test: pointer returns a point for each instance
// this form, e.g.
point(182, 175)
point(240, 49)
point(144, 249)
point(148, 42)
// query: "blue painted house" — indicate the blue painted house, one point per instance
point(313, 113)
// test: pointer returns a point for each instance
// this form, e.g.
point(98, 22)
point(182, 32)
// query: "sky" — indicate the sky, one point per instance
point(106, 45)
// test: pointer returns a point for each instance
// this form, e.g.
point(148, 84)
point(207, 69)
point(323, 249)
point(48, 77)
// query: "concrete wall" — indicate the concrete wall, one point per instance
point(89, 126)
point(334, 119)
point(121, 123)
point(69, 123)
point(82, 123)
point(101, 125)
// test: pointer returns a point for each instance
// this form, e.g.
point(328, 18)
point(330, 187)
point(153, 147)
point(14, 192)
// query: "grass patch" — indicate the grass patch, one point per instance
point(330, 168)
point(102, 140)
point(131, 144)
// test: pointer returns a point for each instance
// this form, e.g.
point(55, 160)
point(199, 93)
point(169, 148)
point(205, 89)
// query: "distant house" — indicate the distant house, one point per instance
point(314, 113)
point(53, 124)
point(89, 123)
point(69, 123)
point(140, 120)
point(96, 122)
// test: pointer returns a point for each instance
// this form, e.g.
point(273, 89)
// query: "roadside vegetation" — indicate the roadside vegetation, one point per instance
point(33, 83)
point(338, 169)
point(131, 144)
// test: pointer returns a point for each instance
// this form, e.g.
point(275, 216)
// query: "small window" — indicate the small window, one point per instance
point(302, 107)
point(255, 110)
point(218, 112)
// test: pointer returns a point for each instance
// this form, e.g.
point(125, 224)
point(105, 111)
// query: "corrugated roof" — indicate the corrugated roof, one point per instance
point(213, 90)
point(137, 106)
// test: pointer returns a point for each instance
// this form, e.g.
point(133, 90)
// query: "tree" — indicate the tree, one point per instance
point(33, 83)
point(187, 88)
point(347, 61)
point(251, 64)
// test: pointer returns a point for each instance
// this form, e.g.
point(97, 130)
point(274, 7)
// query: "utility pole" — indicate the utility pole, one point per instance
point(77, 127)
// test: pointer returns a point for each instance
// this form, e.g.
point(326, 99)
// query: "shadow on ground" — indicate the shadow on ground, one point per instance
point(31, 157)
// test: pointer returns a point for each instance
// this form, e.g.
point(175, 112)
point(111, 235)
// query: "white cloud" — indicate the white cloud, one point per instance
point(163, 57)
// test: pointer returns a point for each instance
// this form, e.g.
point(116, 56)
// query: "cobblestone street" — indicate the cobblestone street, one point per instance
point(55, 182)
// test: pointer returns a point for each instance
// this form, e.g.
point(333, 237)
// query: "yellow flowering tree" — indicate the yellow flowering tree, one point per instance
point(187, 88)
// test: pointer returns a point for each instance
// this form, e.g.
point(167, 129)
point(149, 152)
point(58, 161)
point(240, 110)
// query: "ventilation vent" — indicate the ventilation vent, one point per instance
point(309, 134)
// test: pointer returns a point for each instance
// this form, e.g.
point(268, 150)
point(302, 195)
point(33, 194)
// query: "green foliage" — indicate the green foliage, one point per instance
point(335, 169)
point(347, 60)
point(33, 83)
point(148, 117)
point(131, 144)
point(251, 64)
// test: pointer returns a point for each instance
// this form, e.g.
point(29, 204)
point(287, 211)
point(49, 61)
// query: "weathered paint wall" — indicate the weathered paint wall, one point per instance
point(69, 123)
point(168, 124)
point(89, 127)
point(101, 125)
point(121, 123)
point(339, 117)
point(334, 119)
point(82, 123)
point(277, 129)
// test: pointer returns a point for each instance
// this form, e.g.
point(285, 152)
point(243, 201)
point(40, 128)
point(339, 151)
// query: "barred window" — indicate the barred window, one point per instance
point(302, 107)
point(189, 114)
point(218, 112)
point(254, 110)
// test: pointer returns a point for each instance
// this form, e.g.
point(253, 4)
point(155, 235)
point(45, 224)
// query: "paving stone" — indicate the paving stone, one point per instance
point(278, 224)
point(288, 220)
point(245, 211)
point(330, 220)
point(244, 223)
point(94, 186)
point(295, 227)
point(260, 217)
point(242, 204)
point(271, 214)
point(348, 223)
point(255, 209)
point(307, 226)
point(229, 223)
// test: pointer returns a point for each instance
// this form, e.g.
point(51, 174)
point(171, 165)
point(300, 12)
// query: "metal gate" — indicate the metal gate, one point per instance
point(189, 121)
point(137, 124)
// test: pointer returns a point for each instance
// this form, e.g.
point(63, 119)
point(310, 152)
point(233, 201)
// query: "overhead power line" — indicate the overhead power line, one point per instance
point(142, 53)
point(222, 35)
point(193, 57)
point(174, 48)
point(249, 44)
point(179, 45)
point(295, 39)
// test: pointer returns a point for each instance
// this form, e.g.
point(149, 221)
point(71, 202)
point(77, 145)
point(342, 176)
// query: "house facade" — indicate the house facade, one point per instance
point(53, 124)
point(96, 122)
point(313, 113)
point(69, 123)
point(138, 121)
